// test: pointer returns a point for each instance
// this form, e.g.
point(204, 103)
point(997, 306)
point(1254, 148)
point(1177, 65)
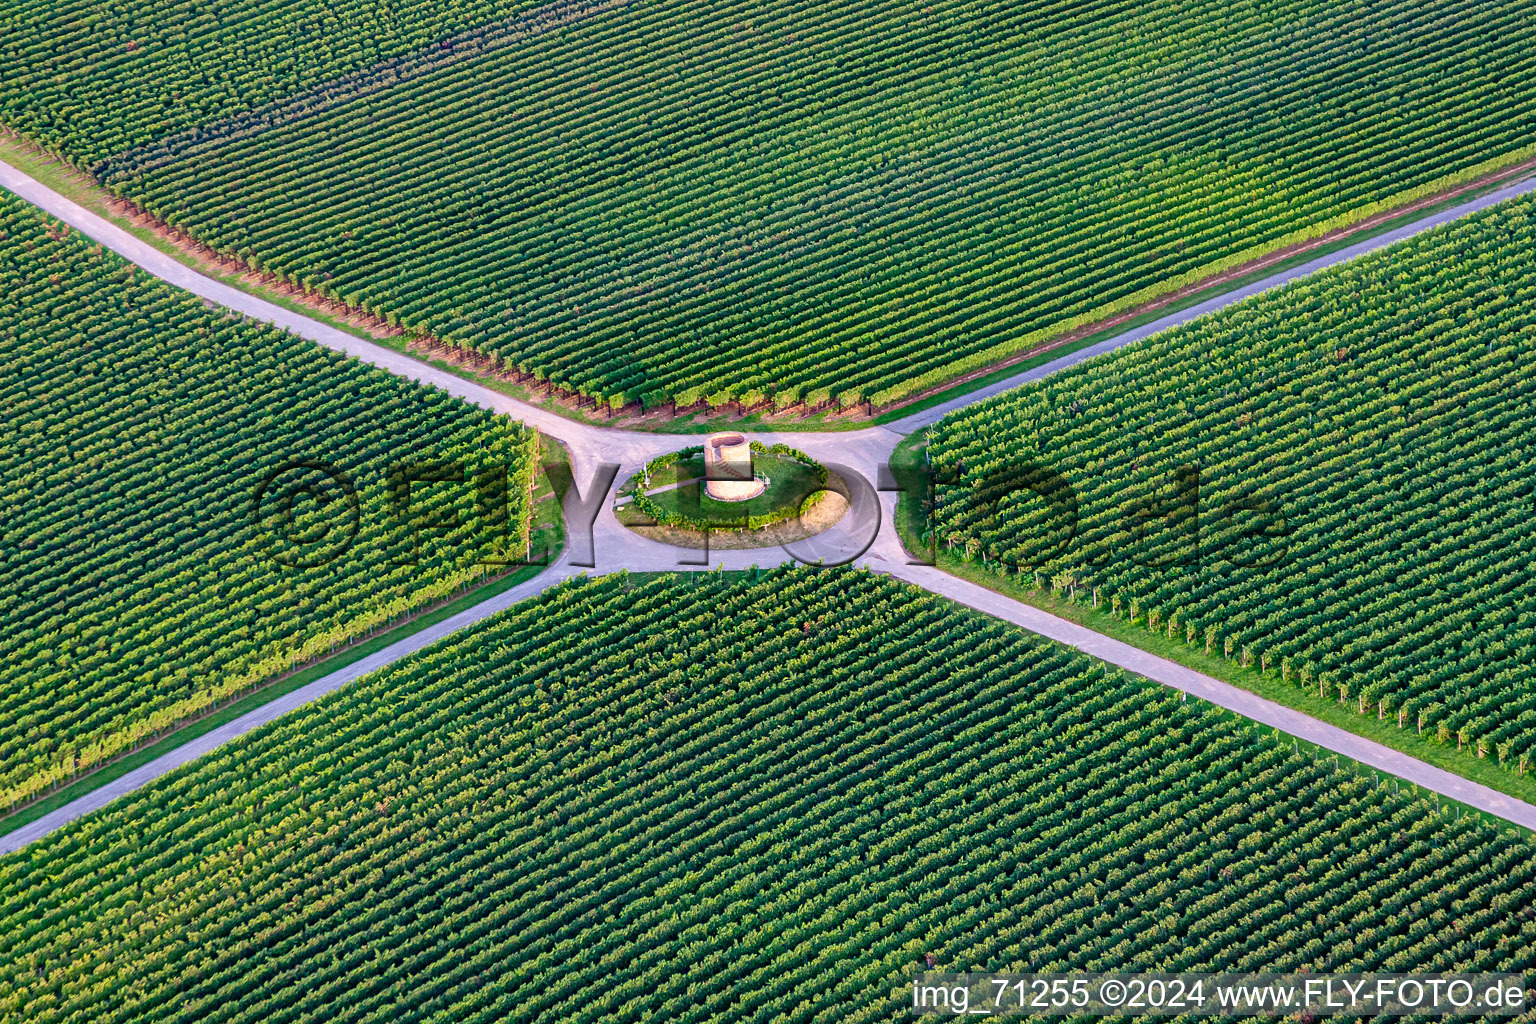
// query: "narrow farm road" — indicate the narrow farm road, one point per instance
point(1233, 698)
point(927, 417)
point(866, 535)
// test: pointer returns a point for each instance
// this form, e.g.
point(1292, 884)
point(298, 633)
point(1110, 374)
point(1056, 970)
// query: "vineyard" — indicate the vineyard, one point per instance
point(795, 483)
point(88, 80)
point(192, 504)
point(301, 723)
point(1331, 484)
point(713, 204)
point(584, 809)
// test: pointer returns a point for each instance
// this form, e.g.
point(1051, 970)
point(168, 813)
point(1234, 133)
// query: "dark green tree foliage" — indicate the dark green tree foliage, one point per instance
point(137, 585)
point(756, 798)
point(1360, 450)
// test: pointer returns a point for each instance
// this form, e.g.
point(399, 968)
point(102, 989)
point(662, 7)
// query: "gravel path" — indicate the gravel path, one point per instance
point(864, 535)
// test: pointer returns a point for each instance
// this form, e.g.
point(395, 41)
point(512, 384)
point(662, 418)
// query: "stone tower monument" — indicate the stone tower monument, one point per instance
point(728, 468)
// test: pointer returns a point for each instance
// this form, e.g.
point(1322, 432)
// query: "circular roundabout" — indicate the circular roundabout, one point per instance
point(731, 492)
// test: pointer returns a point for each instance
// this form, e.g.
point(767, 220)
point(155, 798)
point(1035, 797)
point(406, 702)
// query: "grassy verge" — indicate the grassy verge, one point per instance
point(907, 464)
point(546, 515)
point(546, 536)
point(1003, 373)
point(283, 685)
point(81, 190)
point(911, 522)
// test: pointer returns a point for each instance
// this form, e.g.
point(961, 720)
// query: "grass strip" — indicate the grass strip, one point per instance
point(549, 537)
point(911, 523)
point(87, 193)
point(282, 685)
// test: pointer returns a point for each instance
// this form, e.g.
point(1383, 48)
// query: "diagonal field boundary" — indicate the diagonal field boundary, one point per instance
point(1258, 710)
point(931, 415)
point(272, 710)
point(593, 442)
point(428, 60)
